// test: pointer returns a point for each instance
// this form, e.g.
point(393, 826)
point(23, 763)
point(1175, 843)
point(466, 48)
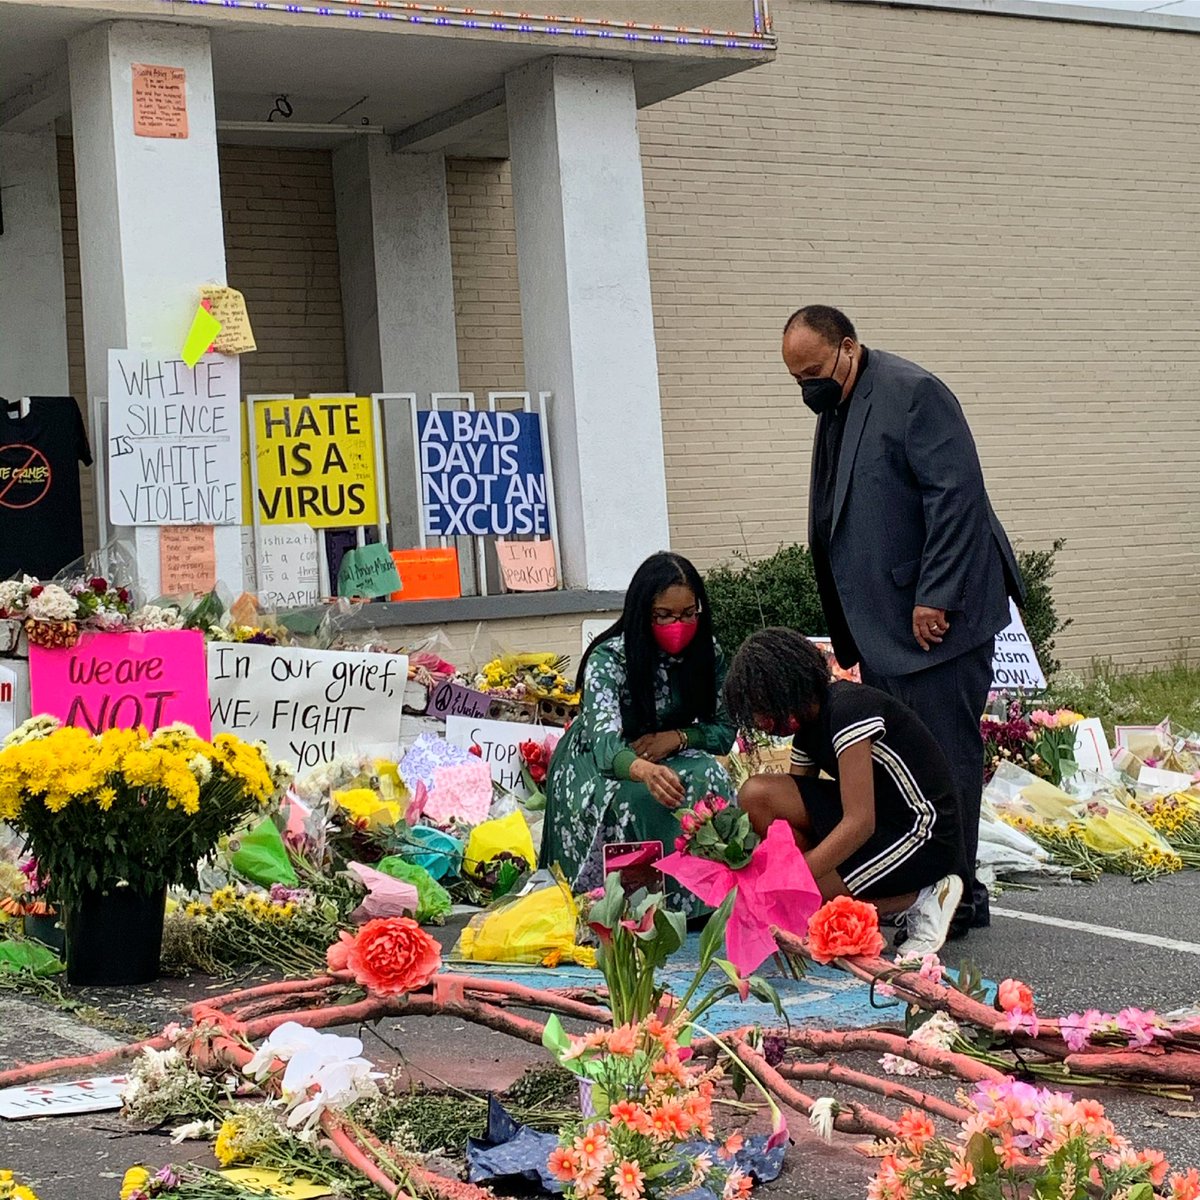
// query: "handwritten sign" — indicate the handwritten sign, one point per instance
point(482, 473)
point(527, 566)
point(591, 629)
point(159, 101)
point(122, 680)
point(368, 571)
point(309, 706)
point(62, 1099)
point(228, 306)
point(8, 701)
point(1014, 664)
point(498, 741)
point(187, 559)
point(285, 572)
point(316, 462)
point(1091, 747)
point(174, 443)
point(452, 699)
point(428, 574)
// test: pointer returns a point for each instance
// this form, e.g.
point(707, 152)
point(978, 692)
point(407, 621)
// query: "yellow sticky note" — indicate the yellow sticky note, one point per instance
point(258, 1181)
point(205, 328)
point(228, 305)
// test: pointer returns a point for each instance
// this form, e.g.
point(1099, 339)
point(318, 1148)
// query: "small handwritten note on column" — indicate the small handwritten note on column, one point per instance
point(527, 566)
point(159, 101)
point(187, 559)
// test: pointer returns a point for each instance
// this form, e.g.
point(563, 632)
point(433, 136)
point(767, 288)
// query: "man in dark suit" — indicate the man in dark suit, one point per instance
point(913, 567)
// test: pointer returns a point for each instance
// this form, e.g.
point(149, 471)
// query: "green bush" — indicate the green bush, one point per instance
point(750, 594)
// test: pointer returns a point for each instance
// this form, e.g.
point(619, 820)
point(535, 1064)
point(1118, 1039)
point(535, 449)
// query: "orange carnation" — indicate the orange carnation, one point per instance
point(338, 954)
point(844, 928)
point(393, 955)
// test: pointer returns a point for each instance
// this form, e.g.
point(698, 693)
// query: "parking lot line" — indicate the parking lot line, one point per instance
point(1108, 931)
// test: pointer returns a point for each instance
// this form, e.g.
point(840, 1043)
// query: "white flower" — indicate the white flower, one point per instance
point(893, 1064)
point(53, 603)
point(940, 1031)
point(335, 1084)
point(201, 768)
point(152, 617)
point(31, 731)
point(822, 1116)
point(14, 594)
point(195, 1131)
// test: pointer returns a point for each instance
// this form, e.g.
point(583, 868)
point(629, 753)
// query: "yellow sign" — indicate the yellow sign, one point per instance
point(228, 305)
point(204, 328)
point(316, 462)
point(258, 1181)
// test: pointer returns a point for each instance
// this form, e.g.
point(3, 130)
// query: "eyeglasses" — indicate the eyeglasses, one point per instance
point(689, 616)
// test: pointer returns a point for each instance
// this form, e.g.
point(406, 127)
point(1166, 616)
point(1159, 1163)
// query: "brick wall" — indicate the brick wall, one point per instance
point(281, 253)
point(1013, 203)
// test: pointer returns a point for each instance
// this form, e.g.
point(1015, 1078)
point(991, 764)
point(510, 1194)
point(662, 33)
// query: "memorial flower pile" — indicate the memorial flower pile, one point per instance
point(125, 807)
point(1041, 742)
point(535, 676)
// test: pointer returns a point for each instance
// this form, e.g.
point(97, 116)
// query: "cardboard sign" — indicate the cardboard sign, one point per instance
point(428, 574)
point(159, 101)
point(1014, 664)
point(174, 443)
point(1155, 779)
point(482, 473)
point(285, 572)
point(122, 680)
point(451, 699)
point(527, 566)
point(498, 740)
point(228, 306)
point(261, 1181)
point(316, 462)
point(368, 571)
point(1091, 747)
point(8, 701)
point(187, 557)
point(309, 706)
point(62, 1099)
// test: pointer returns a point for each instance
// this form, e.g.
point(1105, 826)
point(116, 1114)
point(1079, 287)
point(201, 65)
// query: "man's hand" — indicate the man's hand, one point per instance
point(665, 786)
point(929, 626)
point(656, 746)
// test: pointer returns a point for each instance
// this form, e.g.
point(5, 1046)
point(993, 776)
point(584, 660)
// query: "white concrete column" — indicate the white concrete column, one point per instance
point(393, 224)
point(33, 304)
point(586, 314)
point(150, 220)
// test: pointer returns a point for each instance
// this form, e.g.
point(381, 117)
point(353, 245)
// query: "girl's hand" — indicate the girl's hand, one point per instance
point(664, 785)
point(657, 746)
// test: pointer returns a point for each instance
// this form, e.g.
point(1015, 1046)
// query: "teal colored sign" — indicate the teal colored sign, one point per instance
point(368, 571)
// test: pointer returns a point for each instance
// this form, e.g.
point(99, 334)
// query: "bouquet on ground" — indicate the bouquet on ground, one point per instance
point(535, 676)
point(23, 890)
point(125, 807)
point(1036, 740)
point(535, 763)
point(55, 614)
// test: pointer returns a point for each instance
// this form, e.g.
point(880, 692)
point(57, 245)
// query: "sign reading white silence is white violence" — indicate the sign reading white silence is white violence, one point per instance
point(309, 706)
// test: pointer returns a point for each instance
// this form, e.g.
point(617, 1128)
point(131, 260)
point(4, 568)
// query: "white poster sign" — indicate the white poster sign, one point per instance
point(8, 701)
point(174, 440)
point(592, 630)
point(1014, 664)
point(309, 706)
point(284, 573)
point(1091, 747)
point(62, 1099)
point(498, 742)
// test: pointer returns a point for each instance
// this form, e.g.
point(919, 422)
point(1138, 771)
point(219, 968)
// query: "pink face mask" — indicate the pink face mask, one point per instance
point(676, 637)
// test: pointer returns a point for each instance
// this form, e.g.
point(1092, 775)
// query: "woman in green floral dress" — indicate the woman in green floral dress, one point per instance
point(651, 719)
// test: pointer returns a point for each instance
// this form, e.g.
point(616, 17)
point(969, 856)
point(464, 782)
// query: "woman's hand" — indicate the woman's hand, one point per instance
point(665, 786)
point(656, 746)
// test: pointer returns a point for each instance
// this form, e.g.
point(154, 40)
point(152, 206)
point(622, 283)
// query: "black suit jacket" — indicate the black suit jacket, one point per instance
point(912, 524)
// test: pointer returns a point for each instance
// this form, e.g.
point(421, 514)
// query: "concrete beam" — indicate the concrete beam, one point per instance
point(37, 104)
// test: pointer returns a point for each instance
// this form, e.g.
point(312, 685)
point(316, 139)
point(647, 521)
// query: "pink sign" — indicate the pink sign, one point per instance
point(122, 680)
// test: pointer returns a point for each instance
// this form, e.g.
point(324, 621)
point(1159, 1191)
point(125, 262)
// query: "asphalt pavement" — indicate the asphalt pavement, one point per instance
point(1105, 945)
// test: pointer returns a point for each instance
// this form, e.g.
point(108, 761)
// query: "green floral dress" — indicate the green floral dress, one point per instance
point(592, 801)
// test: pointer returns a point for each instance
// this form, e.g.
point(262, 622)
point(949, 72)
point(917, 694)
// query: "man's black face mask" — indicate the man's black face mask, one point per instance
point(825, 394)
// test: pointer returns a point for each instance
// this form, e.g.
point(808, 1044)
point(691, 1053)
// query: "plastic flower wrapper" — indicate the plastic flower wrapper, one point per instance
point(386, 896)
point(433, 901)
point(775, 888)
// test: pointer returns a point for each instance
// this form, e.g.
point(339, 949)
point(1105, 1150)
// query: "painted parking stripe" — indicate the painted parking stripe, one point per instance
point(1108, 931)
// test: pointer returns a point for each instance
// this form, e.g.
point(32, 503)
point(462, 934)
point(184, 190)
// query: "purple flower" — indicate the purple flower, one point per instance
point(166, 1177)
point(774, 1048)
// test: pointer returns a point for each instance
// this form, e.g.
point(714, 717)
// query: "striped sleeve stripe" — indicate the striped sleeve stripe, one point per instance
point(800, 759)
point(872, 727)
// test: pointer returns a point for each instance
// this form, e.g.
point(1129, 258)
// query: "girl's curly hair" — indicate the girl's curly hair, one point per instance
point(777, 674)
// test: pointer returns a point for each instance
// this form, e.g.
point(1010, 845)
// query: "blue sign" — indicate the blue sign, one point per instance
point(482, 473)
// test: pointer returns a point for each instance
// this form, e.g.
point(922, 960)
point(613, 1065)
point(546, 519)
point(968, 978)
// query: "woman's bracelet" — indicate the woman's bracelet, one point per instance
point(683, 742)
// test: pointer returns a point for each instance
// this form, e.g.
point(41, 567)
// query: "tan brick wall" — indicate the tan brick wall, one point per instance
point(281, 253)
point(1011, 202)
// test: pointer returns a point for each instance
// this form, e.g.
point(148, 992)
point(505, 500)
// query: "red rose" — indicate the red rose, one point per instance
point(123, 595)
point(537, 773)
point(36, 590)
point(531, 752)
point(98, 585)
point(844, 928)
point(393, 955)
point(476, 750)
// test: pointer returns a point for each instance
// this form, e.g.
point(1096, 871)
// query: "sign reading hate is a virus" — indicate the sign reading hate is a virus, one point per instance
point(482, 474)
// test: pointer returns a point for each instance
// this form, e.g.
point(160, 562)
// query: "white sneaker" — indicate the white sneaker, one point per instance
point(928, 920)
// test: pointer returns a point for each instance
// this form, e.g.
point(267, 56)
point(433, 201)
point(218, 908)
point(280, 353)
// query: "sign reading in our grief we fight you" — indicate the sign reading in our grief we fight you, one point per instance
point(122, 680)
point(174, 441)
point(316, 462)
point(309, 706)
point(1014, 664)
point(482, 473)
point(498, 742)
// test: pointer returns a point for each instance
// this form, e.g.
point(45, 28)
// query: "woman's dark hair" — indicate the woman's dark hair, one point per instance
point(699, 670)
point(776, 675)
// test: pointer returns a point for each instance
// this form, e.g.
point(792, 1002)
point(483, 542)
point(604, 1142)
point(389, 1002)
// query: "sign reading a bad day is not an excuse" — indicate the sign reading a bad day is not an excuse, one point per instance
point(309, 706)
point(482, 473)
point(316, 462)
point(174, 440)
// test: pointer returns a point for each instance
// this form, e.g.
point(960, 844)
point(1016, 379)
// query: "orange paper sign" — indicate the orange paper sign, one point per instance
point(159, 101)
point(527, 566)
point(187, 559)
point(428, 574)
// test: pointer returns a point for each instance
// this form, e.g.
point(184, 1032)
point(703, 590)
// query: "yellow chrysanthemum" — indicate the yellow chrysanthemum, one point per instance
point(224, 1147)
point(135, 1180)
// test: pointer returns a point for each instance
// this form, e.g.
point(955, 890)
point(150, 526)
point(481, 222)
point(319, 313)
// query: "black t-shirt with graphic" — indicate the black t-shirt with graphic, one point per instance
point(41, 522)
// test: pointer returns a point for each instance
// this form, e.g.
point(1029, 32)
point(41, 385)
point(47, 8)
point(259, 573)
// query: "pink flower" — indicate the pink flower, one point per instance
point(689, 822)
point(702, 810)
point(1077, 1029)
point(1141, 1026)
point(960, 1174)
point(719, 804)
point(1020, 1021)
point(1015, 996)
point(681, 845)
point(931, 968)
